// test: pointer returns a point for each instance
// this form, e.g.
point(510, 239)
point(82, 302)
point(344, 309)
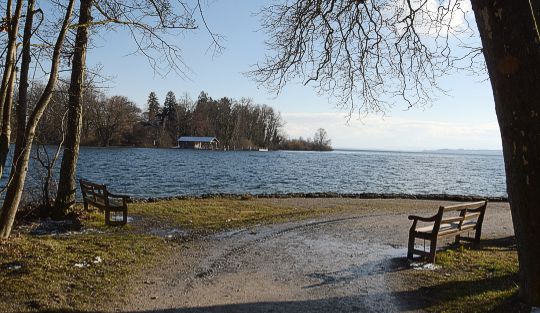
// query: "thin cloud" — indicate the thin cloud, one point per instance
point(393, 133)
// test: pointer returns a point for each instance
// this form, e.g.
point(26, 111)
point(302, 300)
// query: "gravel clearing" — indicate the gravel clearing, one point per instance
point(349, 261)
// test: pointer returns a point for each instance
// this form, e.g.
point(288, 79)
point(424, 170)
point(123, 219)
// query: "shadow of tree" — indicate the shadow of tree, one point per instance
point(461, 289)
point(335, 304)
point(419, 298)
point(355, 272)
point(425, 297)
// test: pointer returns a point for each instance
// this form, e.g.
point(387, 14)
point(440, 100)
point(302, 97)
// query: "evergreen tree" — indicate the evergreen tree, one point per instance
point(169, 117)
point(153, 108)
point(169, 106)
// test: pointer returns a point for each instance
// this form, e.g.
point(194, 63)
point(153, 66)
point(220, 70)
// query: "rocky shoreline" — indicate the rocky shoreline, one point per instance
point(440, 197)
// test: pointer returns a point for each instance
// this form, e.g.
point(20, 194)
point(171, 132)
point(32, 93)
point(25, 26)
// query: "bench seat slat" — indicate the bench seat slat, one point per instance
point(447, 227)
point(451, 220)
point(458, 207)
point(470, 216)
point(112, 202)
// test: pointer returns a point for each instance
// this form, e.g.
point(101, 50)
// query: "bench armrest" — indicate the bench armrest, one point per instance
point(422, 219)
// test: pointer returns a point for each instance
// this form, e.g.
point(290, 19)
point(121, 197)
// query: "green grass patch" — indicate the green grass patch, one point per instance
point(39, 273)
point(222, 213)
point(471, 280)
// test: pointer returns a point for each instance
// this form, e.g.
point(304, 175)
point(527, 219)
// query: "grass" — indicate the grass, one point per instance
point(222, 213)
point(39, 273)
point(482, 280)
point(471, 280)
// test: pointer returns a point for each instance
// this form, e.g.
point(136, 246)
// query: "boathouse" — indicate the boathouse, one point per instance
point(204, 143)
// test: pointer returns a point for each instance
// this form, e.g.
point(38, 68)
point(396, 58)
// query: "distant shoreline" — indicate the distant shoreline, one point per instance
point(439, 197)
point(437, 151)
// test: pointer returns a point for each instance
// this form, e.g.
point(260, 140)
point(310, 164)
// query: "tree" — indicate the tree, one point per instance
point(371, 54)
point(183, 115)
point(152, 108)
point(112, 118)
point(149, 24)
point(153, 116)
point(321, 138)
point(169, 117)
point(65, 196)
point(8, 79)
point(19, 167)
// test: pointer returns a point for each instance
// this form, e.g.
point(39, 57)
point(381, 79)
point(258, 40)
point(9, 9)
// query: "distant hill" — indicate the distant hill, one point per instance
point(465, 151)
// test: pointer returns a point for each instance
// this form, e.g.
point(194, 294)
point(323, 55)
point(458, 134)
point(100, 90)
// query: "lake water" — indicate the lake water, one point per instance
point(171, 172)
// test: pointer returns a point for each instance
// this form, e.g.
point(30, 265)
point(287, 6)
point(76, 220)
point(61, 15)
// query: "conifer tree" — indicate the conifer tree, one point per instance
point(153, 108)
point(169, 116)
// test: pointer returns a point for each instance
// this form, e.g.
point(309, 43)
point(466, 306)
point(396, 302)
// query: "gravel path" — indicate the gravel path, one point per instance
point(347, 262)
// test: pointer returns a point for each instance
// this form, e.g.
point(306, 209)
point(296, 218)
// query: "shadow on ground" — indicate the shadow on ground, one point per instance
point(458, 290)
point(417, 299)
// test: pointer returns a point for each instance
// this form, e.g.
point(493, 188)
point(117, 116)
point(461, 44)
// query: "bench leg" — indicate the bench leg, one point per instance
point(432, 250)
point(124, 217)
point(477, 235)
point(107, 217)
point(411, 246)
point(85, 204)
point(457, 239)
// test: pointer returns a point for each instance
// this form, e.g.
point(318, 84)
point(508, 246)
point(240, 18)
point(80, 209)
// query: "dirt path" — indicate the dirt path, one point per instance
point(347, 262)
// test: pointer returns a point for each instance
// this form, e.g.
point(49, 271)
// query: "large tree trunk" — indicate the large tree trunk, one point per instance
point(18, 172)
point(8, 80)
point(65, 197)
point(512, 51)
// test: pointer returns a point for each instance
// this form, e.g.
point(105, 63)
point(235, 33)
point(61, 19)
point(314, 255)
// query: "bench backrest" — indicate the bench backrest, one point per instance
point(94, 193)
point(473, 211)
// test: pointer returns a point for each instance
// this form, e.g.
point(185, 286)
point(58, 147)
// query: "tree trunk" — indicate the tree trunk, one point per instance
point(65, 197)
point(22, 105)
point(8, 80)
point(11, 44)
point(18, 172)
point(511, 45)
point(5, 135)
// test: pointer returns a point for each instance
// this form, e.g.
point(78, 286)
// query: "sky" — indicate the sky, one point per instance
point(465, 119)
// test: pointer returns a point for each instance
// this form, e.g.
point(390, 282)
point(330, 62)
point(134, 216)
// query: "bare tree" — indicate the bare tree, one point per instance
point(19, 168)
point(111, 116)
point(65, 196)
point(151, 24)
point(47, 161)
point(154, 27)
point(371, 54)
point(321, 138)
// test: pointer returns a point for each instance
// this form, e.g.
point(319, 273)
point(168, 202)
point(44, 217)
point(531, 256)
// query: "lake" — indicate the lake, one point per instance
point(172, 172)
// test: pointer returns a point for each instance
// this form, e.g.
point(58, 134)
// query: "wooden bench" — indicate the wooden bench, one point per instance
point(98, 196)
point(470, 218)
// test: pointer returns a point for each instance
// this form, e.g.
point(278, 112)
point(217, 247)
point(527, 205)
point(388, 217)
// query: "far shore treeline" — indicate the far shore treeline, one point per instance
point(117, 121)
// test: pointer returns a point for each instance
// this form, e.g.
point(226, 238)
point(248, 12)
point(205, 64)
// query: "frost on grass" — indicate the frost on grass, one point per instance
point(419, 266)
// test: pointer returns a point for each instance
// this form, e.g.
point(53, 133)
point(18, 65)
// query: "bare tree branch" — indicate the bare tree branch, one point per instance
point(367, 55)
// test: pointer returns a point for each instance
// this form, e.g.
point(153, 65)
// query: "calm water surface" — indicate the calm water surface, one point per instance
point(170, 172)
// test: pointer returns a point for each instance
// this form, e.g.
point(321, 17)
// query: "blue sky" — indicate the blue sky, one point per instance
point(465, 119)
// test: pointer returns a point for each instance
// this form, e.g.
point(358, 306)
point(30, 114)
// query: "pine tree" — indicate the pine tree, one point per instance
point(169, 106)
point(169, 116)
point(153, 108)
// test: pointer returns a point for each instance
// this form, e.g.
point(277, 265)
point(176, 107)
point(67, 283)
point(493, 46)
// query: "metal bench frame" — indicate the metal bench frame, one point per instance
point(470, 218)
